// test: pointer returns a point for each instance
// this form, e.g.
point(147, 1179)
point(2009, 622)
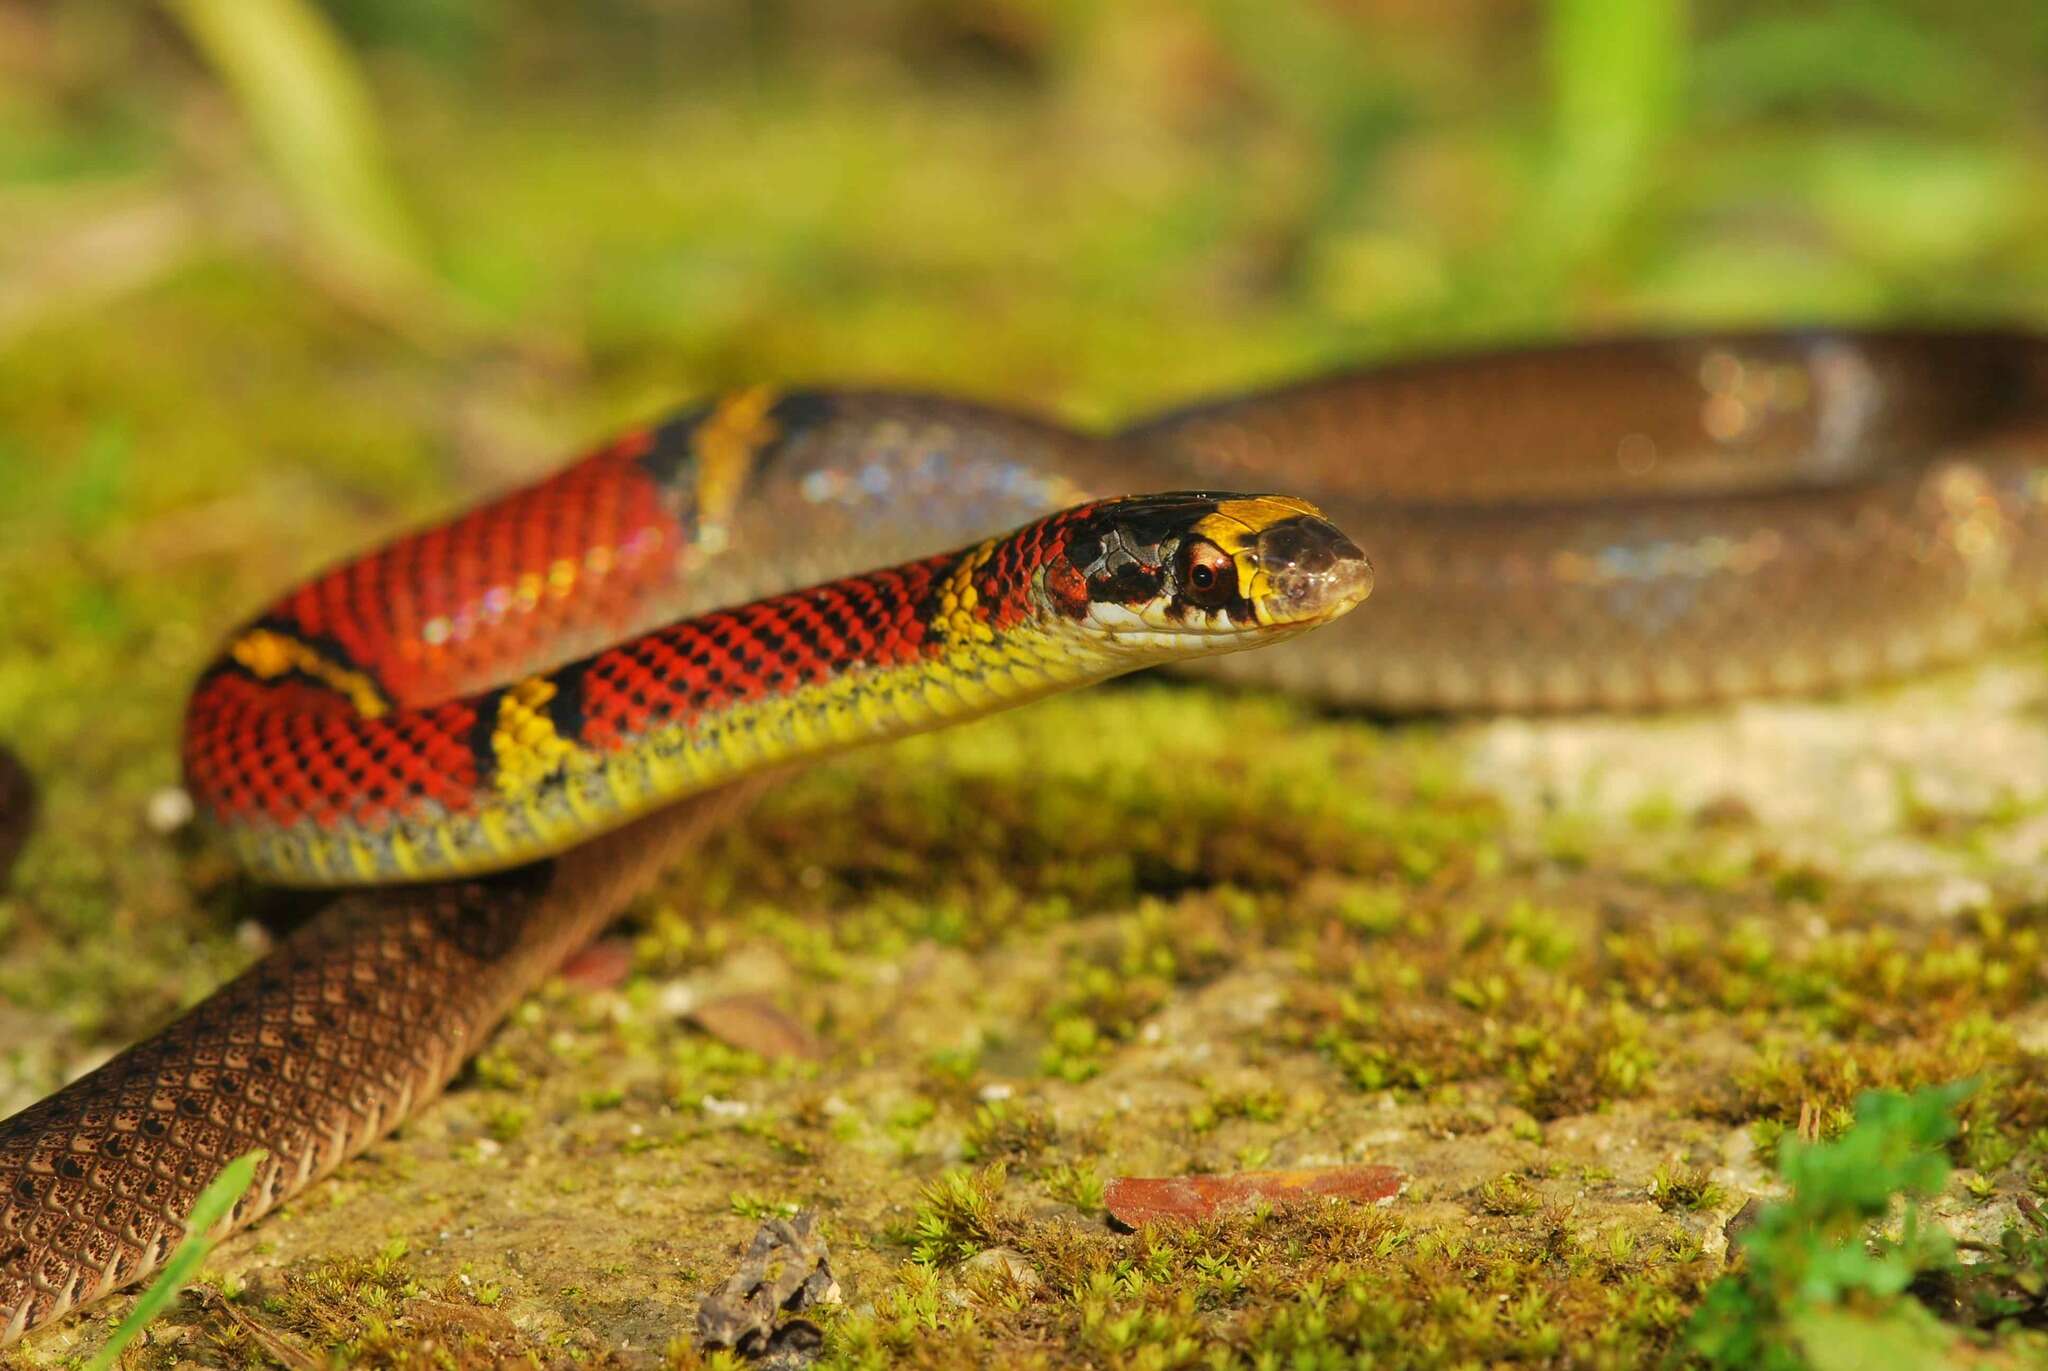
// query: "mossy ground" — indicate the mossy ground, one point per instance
point(1576, 978)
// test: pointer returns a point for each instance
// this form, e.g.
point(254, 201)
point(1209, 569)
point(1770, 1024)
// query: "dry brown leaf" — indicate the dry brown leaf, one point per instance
point(753, 1024)
point(603, 965)
point(1135, 1200)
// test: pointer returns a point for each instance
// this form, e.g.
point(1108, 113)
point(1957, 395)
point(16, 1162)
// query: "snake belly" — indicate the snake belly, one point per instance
point(1621, 524)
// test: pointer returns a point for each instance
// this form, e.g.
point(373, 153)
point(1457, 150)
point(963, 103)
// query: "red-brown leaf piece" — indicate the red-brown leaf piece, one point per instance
point(603, 965)
point(1135, 1200)
point(753, 1024)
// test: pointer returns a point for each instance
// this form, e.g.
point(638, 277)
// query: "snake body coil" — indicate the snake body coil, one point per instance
point(342, 738)
point(1621, 525)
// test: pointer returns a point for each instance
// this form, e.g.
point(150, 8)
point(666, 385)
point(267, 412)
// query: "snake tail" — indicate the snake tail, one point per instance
point(327, 1044)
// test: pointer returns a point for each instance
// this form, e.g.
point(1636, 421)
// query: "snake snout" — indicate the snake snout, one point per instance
point(1313, 571)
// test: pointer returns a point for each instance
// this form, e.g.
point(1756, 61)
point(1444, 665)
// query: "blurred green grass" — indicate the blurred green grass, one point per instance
point(1088, 205)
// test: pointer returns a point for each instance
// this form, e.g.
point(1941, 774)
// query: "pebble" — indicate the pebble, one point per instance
point(168, 810)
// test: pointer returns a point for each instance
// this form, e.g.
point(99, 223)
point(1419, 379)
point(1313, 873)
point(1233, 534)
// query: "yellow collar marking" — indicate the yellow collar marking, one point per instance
point(270, 654)
point(725, 444)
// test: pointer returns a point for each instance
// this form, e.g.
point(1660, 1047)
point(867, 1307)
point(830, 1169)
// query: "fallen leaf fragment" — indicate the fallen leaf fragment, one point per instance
point(753, 1024)
point(786, 1270)
point(1136, 1200)
point(603, 965)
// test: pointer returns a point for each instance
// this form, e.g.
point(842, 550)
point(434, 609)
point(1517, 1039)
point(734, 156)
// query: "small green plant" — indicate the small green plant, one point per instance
point(2007, 1286)
point(1690, 1188)
point(1078, 1185)
point(1507, 1196)
point(210, 1208)
point(1260, 1104)
point(1812, 1259)
point(1007, 1130)
point(751, 1206)
point(1075, 1050)
point(956, 1064)
point(956, 1216)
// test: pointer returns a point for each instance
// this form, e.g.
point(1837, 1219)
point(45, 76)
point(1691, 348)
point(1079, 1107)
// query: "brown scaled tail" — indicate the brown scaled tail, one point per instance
point(314, 1053)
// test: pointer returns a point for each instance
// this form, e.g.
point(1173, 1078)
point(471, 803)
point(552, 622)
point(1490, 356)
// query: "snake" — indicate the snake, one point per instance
point(492, 734)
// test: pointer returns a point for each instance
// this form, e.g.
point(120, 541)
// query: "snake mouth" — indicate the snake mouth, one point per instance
point(1309, 572)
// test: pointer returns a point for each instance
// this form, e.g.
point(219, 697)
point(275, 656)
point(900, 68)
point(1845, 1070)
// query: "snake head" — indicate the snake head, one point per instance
point(1201, 572)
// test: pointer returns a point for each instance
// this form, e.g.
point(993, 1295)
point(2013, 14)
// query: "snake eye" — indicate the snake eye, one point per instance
point(1207, 575)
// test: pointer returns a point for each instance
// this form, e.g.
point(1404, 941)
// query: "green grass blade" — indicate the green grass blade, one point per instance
point(210, 1208)
point(1616, 74)
point(305, 99)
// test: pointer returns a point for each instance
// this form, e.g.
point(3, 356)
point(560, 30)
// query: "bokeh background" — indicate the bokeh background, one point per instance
point(281, 276)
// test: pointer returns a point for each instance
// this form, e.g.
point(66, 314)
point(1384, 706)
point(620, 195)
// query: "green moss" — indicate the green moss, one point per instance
point(1685, 1188)
point(506, 1122)
point(749, 1206)
point(1076, 1184)
point(1009, 1132)
point(366, 1312)
point(1306, 1286)
point(1259, 1104)
point(1507, 1196)
point(957, 1215)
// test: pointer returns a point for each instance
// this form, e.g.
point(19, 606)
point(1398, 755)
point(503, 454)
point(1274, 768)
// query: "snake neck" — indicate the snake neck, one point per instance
point(557, 756)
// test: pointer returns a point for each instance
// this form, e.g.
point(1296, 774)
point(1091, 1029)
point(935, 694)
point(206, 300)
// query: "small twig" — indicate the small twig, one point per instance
point(289, 1354)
